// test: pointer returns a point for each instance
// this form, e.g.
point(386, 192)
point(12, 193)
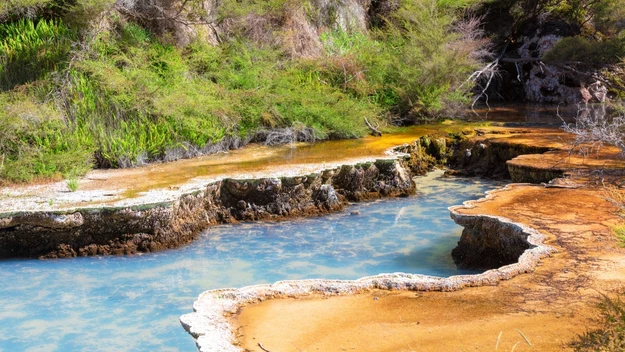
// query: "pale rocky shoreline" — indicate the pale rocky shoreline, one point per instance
point(92, 221)
point(209, 324)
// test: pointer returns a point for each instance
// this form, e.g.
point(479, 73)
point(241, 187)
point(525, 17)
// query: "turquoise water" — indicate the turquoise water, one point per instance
point(132, 303)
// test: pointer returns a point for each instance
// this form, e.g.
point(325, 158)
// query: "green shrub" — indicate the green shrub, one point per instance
point(136, 99)
point(413, 66)
point(72, 182)
point(35, 142)
point(587, 51)
point(128, 98)
point(240, 8)
point(610, 335)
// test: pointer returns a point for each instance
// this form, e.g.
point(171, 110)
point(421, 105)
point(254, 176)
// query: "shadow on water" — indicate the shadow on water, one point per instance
point(436, 257)
point(525, 114)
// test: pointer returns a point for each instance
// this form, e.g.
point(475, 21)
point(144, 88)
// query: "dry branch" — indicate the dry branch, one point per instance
point(520, 59)
point(374, 130)
point(594, 127)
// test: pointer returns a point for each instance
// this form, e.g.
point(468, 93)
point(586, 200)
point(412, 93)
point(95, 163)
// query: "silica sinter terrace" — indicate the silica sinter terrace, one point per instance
point(134, 302)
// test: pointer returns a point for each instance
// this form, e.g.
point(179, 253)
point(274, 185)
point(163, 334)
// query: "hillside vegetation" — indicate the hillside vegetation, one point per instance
point(104, 83)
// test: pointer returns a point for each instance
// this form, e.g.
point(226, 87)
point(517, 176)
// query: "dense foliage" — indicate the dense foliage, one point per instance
point(88, 83)
point(594, 29)
point(112, 94)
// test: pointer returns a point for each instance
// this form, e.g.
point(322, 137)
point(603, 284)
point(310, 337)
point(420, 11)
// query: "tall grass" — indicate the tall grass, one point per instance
point(36, 142)
point(31, 49)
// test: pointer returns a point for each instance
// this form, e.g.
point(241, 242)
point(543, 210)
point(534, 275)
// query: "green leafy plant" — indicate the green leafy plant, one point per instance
point(72, 182)
point(31, 49)
point(129, 98)
point(610, 334)
point(619, 233)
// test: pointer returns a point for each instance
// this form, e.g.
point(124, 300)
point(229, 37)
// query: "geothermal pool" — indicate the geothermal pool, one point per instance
point(133, 303)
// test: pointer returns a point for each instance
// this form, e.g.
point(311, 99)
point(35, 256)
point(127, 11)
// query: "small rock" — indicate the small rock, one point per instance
point(355, 212)
point(241, 204)
point(5, 222)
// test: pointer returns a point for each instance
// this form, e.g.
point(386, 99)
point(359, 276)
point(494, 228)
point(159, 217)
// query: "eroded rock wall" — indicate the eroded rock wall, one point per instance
point(488, 158)
point(159, 226)
point(488, 243)
point(426, 153)
point(473, 156)
point(529, 174)
point(154, 227)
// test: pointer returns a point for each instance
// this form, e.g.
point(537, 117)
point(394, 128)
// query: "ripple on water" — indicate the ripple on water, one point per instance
point(133, 302)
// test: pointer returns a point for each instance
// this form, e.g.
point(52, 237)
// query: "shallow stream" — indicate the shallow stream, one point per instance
point(133, 302)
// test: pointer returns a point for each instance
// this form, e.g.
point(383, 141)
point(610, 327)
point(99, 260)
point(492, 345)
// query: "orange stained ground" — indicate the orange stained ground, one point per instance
point(548, 307)
point(254, 160)
point(258, 160)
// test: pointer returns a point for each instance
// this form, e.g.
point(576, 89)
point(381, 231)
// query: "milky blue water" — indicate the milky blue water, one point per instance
point(132, 303)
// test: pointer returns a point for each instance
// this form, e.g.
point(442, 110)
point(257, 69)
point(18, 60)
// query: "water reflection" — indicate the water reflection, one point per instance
point(524, 113)
point(133, 302)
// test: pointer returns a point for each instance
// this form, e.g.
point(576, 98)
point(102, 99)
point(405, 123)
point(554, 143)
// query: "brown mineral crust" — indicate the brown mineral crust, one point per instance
point(486, 153)
point(153, 227)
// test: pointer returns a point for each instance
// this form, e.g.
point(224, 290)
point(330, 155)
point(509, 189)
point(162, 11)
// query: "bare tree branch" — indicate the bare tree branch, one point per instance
point(594, 128)
point(374, 130)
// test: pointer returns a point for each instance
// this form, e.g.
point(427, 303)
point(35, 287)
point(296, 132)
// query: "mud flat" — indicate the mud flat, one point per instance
point(566, 220)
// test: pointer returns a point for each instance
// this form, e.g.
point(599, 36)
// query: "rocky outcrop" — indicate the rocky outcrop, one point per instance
point(426, 153)
point(544, 82)
point(533, 174)
point(488, 158)
point(474, 156)
point(384, 178)
point(152, 227)
point(168, 224)
point(523, 72)
point(488, 243)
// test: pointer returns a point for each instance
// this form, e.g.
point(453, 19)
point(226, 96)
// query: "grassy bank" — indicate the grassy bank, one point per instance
point(109, 92)
point(105, 83)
